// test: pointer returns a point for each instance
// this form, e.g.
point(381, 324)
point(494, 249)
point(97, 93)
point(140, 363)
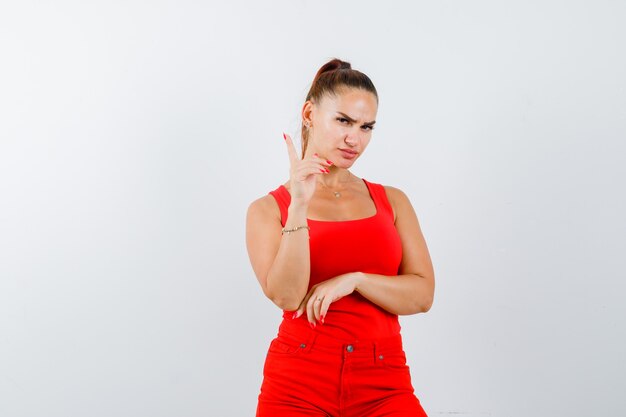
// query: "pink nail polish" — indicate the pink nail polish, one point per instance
point(329, 162)
point(322, 319)
point(322, 170)
point(284, 136)
point(312, 326)
point(294, 315)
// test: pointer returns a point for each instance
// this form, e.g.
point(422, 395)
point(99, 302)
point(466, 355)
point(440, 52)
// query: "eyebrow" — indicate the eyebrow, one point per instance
point(352, 120)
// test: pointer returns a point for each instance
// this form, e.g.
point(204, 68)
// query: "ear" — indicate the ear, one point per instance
point(307, 112)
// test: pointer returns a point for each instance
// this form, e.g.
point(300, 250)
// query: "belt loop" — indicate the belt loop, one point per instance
point(375, 350)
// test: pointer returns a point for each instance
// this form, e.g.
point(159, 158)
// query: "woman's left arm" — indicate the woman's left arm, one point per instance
point(409, 292)
point(412, 291)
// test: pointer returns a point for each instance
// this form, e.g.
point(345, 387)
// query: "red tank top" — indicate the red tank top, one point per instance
point(370, 245)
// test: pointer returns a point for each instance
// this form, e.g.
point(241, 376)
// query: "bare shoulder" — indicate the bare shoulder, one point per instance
point(395, 193)
point(265, 206)
point(398, 199)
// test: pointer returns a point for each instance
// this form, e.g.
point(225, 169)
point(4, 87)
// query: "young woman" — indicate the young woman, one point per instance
point(342, 257)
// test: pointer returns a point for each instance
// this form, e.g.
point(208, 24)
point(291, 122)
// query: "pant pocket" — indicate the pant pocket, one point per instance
point(290, 344)
point(281, 346)
point(392, 359)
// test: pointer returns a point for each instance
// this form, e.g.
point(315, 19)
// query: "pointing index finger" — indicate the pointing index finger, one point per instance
point(291, 149)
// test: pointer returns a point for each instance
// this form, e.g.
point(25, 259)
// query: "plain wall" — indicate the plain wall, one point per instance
point(133, 136)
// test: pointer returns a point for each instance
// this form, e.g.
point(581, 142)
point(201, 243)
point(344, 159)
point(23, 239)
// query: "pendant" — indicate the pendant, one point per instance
point(337, 193)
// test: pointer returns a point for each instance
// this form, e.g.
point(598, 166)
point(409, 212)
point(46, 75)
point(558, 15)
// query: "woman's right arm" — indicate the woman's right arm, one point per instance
point(281, 262)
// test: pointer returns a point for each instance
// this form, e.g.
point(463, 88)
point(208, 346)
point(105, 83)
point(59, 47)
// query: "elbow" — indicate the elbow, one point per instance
point(415, 305)
point(426, 305)
point(427, 302)
point(285, 303)
point(419, 305)
point(288, 302)
point(424, 300)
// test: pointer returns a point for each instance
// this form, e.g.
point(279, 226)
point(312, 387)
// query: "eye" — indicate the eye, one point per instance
point(370, 127)
point(341, 119)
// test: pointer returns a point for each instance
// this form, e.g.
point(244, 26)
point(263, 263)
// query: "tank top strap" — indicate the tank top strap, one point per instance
point(380, 198)
point(283, 198)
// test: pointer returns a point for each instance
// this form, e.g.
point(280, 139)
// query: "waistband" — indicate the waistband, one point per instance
point(307, 339)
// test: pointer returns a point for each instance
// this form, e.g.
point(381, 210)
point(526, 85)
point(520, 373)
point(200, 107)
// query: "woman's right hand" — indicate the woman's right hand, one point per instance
point(302, 173)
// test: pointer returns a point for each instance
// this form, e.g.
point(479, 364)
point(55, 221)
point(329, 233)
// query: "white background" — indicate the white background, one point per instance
point(134, 134)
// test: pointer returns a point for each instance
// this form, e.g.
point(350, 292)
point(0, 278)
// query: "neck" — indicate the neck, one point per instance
point(336, 178)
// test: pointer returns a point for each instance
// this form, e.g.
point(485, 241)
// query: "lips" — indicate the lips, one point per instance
point(348, 153)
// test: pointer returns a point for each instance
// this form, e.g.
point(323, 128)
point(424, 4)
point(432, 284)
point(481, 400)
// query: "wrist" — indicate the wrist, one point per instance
point(296, 207)
point(358, 279)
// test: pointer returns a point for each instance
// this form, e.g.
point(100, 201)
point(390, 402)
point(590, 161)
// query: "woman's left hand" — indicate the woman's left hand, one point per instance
point(320, 296)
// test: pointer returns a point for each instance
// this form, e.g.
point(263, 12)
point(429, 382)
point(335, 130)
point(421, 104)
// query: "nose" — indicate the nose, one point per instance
point(350, 140)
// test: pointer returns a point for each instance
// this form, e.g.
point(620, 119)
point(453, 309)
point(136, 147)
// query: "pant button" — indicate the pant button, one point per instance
point(381, 357)
point(350, 348)
point(302, 345)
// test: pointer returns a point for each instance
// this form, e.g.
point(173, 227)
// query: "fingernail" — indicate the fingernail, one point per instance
point(323, 170)
point(326, 169)
point(312, 325)
point(329, 162)
point(294, 315)
point(284, 136)
point(322, 319)
point(315, 154)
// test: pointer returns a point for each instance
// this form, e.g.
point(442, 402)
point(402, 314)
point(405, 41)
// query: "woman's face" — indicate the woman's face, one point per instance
point(341, 125)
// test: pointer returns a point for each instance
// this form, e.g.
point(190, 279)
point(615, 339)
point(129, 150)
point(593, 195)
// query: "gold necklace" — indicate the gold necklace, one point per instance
point(336, 193)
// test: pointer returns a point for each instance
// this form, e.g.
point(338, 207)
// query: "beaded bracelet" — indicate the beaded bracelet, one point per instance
point(294, 229)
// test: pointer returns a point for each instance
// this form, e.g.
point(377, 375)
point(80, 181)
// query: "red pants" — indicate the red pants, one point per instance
point(310, 374)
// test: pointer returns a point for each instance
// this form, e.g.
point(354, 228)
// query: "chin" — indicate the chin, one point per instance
point(345, 164)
